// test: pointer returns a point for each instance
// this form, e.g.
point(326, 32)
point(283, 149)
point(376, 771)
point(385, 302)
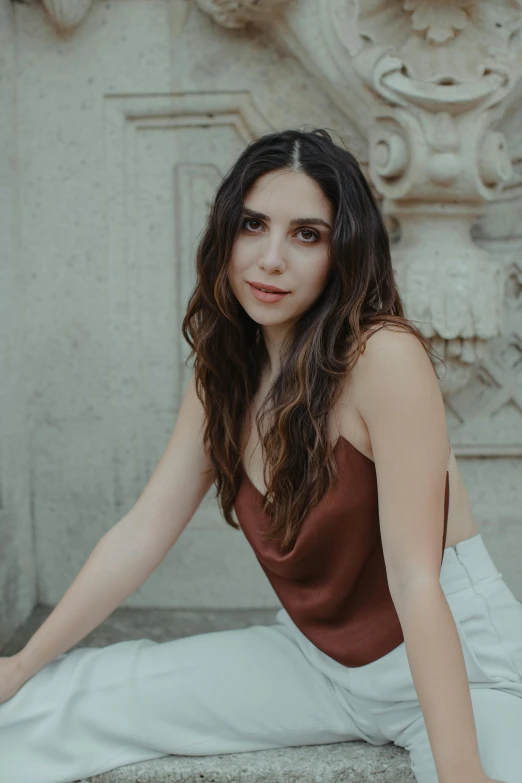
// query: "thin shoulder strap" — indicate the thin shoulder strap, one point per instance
point(337, 421)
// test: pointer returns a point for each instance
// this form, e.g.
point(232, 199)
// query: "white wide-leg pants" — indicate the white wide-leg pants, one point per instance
point(95, 709)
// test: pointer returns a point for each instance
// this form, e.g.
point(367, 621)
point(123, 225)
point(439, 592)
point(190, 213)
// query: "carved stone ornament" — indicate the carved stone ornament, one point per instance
point(237, 13)
point(67, 14)
point(438, 21)
point(436, 77)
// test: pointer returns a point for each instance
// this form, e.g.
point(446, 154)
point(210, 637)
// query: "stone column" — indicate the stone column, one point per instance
point(17, 565)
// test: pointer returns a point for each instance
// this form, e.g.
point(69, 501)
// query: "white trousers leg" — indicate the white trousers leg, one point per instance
point(95, 709)
point(489, 622)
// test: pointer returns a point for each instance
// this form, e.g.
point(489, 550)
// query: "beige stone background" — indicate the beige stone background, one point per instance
point(116, 126)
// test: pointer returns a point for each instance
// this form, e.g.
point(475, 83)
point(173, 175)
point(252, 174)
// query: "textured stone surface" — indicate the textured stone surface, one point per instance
point(342, 762)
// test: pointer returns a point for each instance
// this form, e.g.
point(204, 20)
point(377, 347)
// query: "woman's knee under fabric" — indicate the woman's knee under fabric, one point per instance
point(498, 720)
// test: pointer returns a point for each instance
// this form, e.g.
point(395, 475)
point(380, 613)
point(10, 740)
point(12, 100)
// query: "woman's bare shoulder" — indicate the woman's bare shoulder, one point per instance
point(375, 338)
point(376, 333)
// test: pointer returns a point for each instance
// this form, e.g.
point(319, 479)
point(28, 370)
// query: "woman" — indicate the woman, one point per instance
point(396, 626)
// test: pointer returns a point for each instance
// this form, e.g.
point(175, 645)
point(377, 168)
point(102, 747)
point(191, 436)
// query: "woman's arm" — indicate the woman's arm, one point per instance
point(119, 563)
point(439, 674)
point(132, 549)
point(398, 396)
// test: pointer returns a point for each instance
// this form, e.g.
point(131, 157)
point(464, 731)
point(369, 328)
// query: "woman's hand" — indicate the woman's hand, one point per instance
point(11, 677)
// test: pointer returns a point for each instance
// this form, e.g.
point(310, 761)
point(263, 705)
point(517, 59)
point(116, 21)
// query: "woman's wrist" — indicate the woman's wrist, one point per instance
point(472, 772)
point(22, 674)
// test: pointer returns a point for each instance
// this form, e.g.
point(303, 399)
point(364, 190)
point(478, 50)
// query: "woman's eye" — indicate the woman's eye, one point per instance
point(312, 235)
point(250, 220)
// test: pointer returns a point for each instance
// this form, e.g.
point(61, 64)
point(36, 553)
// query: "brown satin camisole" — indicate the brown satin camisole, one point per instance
point(333, 581)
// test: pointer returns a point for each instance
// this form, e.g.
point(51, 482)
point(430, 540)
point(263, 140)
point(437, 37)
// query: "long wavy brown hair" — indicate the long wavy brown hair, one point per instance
point(317, 353)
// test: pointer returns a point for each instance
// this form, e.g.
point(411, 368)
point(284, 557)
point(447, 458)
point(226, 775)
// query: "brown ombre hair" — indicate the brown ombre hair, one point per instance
point(316, 354)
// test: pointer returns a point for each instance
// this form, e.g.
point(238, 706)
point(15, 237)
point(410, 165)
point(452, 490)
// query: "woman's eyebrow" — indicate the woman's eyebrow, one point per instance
point(294, 222)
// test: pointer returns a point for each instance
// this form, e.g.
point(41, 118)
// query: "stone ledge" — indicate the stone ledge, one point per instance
point(342, 762)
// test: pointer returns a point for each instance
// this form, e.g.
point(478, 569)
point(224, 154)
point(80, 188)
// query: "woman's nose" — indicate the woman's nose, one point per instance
point(273, 257)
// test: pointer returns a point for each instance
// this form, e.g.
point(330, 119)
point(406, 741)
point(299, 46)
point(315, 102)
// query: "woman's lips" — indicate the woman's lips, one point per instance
point(266, 296)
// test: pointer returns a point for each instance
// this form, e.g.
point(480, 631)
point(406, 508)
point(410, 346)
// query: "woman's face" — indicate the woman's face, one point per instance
point(283, 242)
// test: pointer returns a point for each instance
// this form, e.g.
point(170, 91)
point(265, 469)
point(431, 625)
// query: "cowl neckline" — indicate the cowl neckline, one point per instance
point(341, 440)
